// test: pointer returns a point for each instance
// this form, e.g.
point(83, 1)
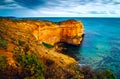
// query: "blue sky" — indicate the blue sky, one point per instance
point(60, 8)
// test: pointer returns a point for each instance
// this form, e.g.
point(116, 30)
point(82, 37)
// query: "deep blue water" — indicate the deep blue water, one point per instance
point(100, 47)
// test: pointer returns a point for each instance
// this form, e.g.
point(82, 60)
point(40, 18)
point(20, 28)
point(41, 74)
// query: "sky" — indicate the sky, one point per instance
point(60, 8)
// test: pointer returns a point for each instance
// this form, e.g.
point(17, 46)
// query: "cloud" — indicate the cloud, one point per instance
point(62, 7)
point(30, 3)
point(3, 2)
point(75, 7)
point(9, 4)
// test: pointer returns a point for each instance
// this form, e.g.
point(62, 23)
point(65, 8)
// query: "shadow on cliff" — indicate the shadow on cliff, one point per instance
point(69, 49)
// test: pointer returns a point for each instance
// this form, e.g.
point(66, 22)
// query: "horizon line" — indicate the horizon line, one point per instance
point(61, 16)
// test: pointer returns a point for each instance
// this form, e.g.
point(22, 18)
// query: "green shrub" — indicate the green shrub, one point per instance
point(3, 43)
point(109, 74)
point(21, 43)
point(7, 71)
point(32, 67)
point(97, 74)
point(3, 62)
point(3, 65)
point(47, 45)
point(104, 74)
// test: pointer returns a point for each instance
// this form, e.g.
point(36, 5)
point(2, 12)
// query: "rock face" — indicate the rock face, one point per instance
point(70, 32)
point(48, 33)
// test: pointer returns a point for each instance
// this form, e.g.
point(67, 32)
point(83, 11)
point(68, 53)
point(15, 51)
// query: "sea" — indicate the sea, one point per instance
point(100, 48)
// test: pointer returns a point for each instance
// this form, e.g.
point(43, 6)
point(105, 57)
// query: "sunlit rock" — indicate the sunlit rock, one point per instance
point(70, 32)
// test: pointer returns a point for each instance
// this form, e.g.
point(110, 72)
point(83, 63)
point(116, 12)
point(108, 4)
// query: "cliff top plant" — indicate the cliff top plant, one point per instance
point(47, 45)
point(30, 63)
point(3, 43)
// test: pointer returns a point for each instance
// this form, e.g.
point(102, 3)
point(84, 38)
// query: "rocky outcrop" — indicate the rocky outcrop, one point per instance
point(48, 33)
point(70, 32)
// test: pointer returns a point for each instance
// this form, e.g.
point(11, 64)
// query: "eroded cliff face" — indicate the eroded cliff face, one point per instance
point(48, 33)
point(70, 32)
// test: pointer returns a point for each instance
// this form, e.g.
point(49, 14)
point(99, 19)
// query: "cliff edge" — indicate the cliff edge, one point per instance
point(70, 31)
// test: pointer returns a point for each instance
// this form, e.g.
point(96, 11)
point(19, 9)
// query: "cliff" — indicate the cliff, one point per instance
point(30, 36)
point(20, 31)
point(47, 32)
point(70, 32)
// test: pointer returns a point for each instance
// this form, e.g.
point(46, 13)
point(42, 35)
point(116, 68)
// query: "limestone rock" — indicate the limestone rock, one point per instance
point(71, 32)
point(49, 33)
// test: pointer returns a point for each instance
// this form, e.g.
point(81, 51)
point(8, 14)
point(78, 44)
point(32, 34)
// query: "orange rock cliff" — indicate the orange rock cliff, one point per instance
point(33, 36)
point(70, 31)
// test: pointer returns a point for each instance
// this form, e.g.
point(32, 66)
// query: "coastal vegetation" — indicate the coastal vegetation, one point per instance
point(28, 51)
point(3, 43)
point(47, 45)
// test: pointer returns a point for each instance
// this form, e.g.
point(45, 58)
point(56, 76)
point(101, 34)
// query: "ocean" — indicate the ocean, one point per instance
point(100, 47)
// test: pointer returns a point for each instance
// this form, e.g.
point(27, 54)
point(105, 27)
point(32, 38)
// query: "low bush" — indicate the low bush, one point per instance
point(7, 71)
point(32, 67)
point(3, 62)
point(104, 74)
point(3, 43)
point(97, 74)
point(47, 45)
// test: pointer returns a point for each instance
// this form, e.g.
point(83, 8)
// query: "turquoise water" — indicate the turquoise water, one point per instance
point(100, 47)
point(101, 44)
